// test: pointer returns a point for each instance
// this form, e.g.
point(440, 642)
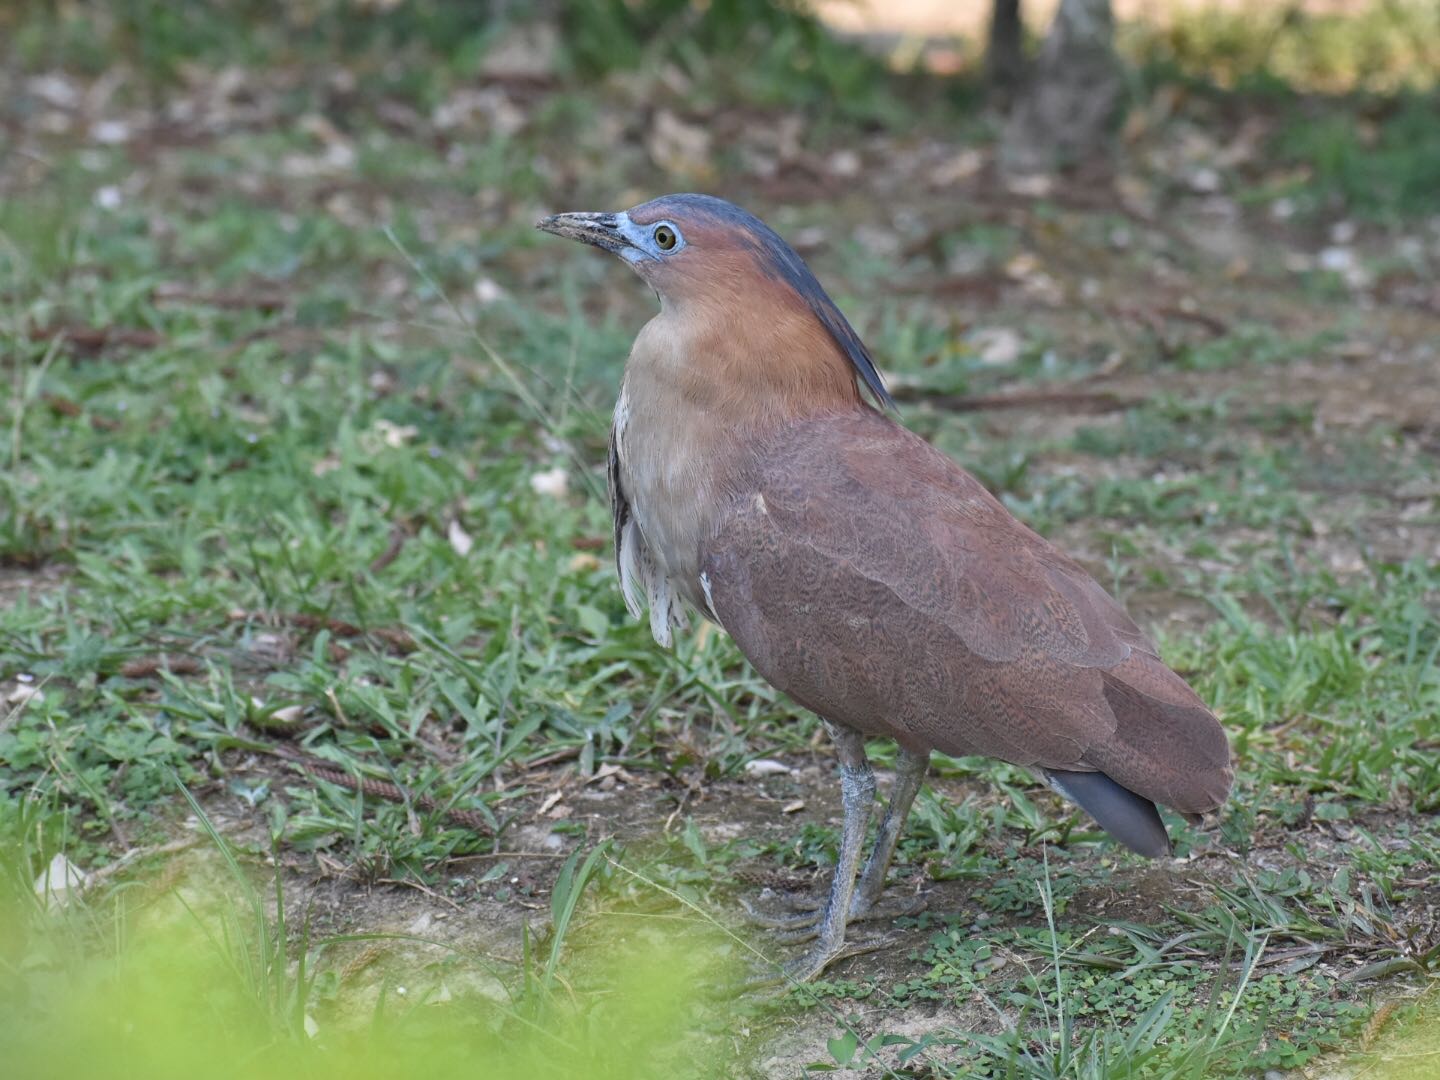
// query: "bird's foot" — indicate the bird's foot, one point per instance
point(804, 924)
point(788, 901)
point(814, 961)
point(803, 911)
point(863, 910)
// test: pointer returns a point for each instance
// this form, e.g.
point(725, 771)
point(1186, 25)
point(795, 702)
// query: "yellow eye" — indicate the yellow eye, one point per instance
point(665, 237)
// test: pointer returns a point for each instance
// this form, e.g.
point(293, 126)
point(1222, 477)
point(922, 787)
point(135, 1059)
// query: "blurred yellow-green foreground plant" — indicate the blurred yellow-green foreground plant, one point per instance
point(197, 973)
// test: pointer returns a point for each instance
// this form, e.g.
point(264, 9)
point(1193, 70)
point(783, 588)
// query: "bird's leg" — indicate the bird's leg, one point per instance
point(909, 774)
point(857, 795)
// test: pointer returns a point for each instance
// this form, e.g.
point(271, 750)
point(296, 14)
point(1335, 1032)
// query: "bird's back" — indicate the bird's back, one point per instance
point(879, 584)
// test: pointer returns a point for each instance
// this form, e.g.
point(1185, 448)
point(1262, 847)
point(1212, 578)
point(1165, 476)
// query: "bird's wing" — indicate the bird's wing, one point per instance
point(876, 582)
point(620, 520)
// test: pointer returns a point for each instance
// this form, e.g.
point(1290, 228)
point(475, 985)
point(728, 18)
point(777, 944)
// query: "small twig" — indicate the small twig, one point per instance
point(146, 666)
point(1085, 400)
point(510, 855)
point(398, 535)
point(265, 302)
point(1154, 317)
point(564, 754)
point(684, 798)
point(22, 396)
point(1216, 325)
point(135, 854)
point(96, 339)
point(1381, 968)
point(380, 789)
point(422, 888)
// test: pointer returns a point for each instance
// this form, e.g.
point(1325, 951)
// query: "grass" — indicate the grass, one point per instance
point(201, 971)
point(279, 519)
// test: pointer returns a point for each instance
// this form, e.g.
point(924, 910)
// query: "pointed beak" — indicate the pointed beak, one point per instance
point(601, 230)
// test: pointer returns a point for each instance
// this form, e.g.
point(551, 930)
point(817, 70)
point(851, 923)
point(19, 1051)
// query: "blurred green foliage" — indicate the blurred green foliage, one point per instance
point(198, 968)
point(420, 46)
point(1380, 161)
point(1373, 47)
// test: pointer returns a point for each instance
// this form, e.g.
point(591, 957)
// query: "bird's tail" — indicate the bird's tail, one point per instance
point(1129, 818)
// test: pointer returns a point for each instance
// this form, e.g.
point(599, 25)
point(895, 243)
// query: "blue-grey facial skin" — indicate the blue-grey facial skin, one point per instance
point(618, 234)
point(640, 240)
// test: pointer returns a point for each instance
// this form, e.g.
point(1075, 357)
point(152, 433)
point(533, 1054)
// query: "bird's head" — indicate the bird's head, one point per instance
point(702, 253)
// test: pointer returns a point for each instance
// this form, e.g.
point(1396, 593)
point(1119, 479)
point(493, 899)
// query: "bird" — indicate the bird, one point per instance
point(759, 476)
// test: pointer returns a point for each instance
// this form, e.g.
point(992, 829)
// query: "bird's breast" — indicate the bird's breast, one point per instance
point(668, 471)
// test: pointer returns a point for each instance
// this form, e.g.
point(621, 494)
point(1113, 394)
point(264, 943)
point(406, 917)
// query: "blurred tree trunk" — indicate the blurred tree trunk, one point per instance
point(1004, 62)
point(1065, 110)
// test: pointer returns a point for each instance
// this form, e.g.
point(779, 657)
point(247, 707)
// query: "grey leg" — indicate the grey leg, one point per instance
point(857, 793)
point(910, 771)
point(909, 774)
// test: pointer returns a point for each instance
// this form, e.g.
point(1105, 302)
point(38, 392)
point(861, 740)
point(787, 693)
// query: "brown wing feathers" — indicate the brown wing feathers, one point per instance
point(876, 582)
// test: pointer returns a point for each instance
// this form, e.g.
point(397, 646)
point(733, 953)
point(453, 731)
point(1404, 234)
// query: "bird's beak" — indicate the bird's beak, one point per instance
point(601, 230)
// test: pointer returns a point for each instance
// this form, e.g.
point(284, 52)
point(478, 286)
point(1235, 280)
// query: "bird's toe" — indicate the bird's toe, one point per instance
point(813, 962)
point(873, 911)
point(805, 928)
point(803, 911)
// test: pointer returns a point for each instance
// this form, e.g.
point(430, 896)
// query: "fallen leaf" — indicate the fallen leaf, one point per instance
point(1031, 186)
point(57, 880)
point(460, 541)
point(956, 168)
point(489, 109)
point(488, 291)
point(24, 692)
point(997, 345)
point(110, 132)
point(810, 238)
point(553, 482)
point(766, 767)
point(1204, 181)
point(680, 148)
point(604, 772)
point(844, 163)
point(395, 435)
point(527, 52)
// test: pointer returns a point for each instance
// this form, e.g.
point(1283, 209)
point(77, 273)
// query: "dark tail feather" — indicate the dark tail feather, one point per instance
point(1127, 817)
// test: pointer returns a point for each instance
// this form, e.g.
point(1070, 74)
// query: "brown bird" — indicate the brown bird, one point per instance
point(858, 569)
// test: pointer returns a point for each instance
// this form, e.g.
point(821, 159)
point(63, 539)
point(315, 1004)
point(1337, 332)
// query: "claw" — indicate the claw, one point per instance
point(807, 914)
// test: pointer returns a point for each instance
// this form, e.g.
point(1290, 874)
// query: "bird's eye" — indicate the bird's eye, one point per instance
point(664, 237)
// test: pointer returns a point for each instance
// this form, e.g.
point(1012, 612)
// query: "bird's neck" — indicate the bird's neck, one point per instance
point(738, 371)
